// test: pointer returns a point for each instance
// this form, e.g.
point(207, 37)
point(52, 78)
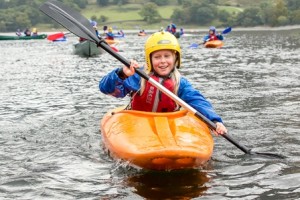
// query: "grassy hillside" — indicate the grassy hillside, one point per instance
point(127, 16)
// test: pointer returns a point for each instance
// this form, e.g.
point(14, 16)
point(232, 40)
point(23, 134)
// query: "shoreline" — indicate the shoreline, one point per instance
point(189, 30)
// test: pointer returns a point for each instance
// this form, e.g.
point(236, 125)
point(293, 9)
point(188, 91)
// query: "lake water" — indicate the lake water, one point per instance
point(51, 107)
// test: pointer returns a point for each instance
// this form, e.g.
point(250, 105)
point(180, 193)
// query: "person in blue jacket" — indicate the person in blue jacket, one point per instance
point(212, 35)
point(163, 59)
point(109, 34)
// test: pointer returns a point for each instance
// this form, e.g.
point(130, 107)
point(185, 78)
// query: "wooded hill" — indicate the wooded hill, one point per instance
point(152, 14)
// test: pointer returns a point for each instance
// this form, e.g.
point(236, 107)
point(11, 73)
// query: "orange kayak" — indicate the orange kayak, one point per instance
point(214, 44)
point(157, 141)
point(112, 41)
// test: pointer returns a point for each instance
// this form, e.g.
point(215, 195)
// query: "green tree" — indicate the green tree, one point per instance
point(223, 16)
point(280, 8)
point(160, 2)
point(103, 18)
point(81, 3)
point(204, 15)
point(282, 20)
point(295, 17)
point(293, 4)
point(249, 17)
point(149, 13)
point(102, 2)
point(178, 16)
point(278, 14)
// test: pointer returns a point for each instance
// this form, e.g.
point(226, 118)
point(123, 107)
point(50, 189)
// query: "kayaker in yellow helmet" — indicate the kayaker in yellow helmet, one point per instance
point(163, 59)
point(34, 32)
point(109, 34)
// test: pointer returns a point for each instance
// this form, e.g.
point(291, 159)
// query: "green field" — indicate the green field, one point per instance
point(127, 16)
point(231, 9)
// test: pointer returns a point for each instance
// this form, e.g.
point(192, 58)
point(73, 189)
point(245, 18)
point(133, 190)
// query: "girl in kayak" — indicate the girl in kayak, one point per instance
point(163, 59)
point(212, 35)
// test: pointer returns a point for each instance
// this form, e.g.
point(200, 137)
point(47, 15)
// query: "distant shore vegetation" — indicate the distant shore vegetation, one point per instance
point(151, 14)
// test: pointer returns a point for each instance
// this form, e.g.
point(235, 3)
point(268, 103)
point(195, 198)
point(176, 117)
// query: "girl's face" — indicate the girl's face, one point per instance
point(163, 61)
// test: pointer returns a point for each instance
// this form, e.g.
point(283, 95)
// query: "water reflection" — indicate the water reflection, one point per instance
point(181, 184)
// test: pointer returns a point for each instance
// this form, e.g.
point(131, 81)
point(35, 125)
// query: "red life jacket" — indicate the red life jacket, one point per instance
point(213, 37)
point(153, 100)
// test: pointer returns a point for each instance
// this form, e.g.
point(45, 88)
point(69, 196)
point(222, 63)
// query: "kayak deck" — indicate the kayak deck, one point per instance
point(157, 141)
point(213, 44)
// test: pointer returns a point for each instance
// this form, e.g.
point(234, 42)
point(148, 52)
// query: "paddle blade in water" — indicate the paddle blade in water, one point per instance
point(114, 48)
point(55, 36)
point(194, 45)
point(70, 19)
point(266, 154)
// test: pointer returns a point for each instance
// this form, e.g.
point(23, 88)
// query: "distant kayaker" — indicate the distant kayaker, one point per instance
point(168, 29)
point(163, 59)
point(173, 28)
point(121, 33)
point(27, 32)
point(18, 32)
point(212, 35)
point(181, 31)
point(94, 25)
point(142, 33)
point(34, 32)
point(109, 34)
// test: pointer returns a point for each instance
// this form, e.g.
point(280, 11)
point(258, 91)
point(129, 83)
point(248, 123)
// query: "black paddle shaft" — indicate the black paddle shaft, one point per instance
point(80, 26)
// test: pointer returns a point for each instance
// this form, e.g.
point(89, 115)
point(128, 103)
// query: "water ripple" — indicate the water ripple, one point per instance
point(50, 144)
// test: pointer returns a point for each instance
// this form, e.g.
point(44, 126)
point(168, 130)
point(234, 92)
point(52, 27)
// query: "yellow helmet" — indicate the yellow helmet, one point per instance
point(159, 41)
point(110, 29)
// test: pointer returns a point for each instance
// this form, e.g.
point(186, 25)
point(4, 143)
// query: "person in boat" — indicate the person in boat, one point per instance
point(109, 34)
point(121, 33)
point(94, 25)
point(142, 32)
point(173, 28)
point(163, 60)
point(181, 31)
point(34, 32)
point(18, 32)
point(105, 29)
point(27, 32)
point(212, 35)
point(168, 29)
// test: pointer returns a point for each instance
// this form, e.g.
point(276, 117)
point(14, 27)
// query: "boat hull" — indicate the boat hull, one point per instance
point(110, 42)
point(214, 44)
point(37, 37)
point(142, 34)
point(87, 49)
point(157, 141)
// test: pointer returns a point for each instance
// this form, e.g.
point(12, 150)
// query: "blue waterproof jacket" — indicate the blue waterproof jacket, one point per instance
point(113, 85)
point(110, 36)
